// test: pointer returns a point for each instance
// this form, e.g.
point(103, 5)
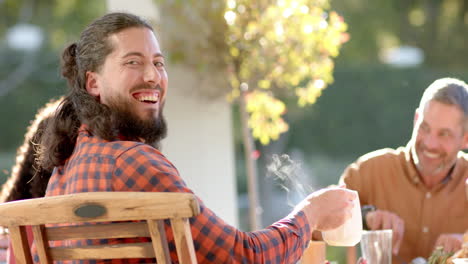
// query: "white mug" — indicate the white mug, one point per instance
point(348, 234)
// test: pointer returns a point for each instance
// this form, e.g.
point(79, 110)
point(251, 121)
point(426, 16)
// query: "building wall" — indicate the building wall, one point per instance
point(200, 141)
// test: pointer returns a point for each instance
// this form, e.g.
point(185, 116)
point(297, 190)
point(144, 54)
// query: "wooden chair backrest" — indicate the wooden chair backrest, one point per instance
point(150, 209)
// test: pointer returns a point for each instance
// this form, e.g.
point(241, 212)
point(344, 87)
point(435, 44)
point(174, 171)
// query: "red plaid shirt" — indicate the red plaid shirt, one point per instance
point(98, 165)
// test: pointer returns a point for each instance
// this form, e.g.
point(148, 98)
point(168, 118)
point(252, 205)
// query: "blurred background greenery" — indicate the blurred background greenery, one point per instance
point(396, 49)
point(32, 35)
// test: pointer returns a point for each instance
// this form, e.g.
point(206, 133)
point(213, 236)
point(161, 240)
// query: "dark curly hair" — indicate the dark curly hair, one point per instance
point(27, 180)
point(78, 107)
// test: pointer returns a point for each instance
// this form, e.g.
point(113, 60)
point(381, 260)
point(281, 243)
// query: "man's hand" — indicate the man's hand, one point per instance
point(381, 219)
point(450, 242)
point(328, 208)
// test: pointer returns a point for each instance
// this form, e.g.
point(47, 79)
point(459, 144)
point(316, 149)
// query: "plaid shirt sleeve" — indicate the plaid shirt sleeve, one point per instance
point(143, 168)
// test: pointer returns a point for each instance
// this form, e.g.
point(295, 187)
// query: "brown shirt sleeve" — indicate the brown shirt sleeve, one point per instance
point(355, 181)
point(371, 174)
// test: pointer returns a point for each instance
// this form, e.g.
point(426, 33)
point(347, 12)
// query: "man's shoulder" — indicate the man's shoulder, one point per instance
point(121, 148)
point(375, 164)
point(123, 145)
point(134, 148)
point(382, 155)
point(91, 145)
point(140, 153)
point(129, 151)
point(111, 147)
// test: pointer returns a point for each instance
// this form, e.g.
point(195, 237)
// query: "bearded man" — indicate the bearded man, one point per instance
point(105, 137)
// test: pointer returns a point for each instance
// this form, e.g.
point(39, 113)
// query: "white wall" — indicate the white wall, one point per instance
point(200, 141)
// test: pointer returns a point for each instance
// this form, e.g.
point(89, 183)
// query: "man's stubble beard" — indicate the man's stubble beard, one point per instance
point(423, 169)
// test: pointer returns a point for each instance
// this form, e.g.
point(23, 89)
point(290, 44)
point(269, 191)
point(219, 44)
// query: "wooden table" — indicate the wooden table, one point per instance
point(315, 253)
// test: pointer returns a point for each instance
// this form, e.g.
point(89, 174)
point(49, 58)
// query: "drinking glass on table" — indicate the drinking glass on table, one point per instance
point(376, 246)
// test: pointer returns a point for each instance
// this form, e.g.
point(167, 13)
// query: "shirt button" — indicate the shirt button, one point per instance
point(428, 195)
point(425, 229)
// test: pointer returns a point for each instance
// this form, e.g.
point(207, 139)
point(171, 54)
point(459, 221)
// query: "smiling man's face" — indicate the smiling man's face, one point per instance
point(133, 75)
point(438, 135)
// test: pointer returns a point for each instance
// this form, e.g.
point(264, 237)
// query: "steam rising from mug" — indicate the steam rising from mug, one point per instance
point(288, 172)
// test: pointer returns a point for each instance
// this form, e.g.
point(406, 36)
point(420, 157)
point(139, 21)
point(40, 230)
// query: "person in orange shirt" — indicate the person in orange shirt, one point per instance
point(418, 191)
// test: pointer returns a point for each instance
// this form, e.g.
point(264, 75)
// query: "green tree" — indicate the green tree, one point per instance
point(437, 27)
point(30, 78)
point(265, 48)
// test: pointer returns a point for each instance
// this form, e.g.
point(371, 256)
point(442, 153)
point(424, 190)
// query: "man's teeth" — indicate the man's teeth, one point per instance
point(431, 154)
point(146, 98)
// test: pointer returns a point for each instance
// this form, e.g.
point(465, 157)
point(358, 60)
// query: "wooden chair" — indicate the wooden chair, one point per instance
point(151, 208)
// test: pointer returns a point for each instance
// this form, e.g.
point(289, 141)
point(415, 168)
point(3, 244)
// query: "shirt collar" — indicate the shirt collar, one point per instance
point(410, 166)
point(84, 128)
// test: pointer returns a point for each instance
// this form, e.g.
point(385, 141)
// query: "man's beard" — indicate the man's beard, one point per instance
point(426, 169)
point(423, 168)
point(132, 127)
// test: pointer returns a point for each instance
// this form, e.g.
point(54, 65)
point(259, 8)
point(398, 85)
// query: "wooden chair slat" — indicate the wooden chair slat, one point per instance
point(158, 237)
point(119, 251)
point(42, 245)
point(98, 231)
point(19, 241)
point(183, 240)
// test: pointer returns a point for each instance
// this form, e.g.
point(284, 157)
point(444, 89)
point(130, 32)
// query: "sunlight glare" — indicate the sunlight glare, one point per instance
point(230, 17)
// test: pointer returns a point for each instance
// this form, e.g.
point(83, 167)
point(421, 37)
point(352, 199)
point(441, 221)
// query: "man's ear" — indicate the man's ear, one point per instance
point(416, 116)
point(92, 83)
point(465, 140)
